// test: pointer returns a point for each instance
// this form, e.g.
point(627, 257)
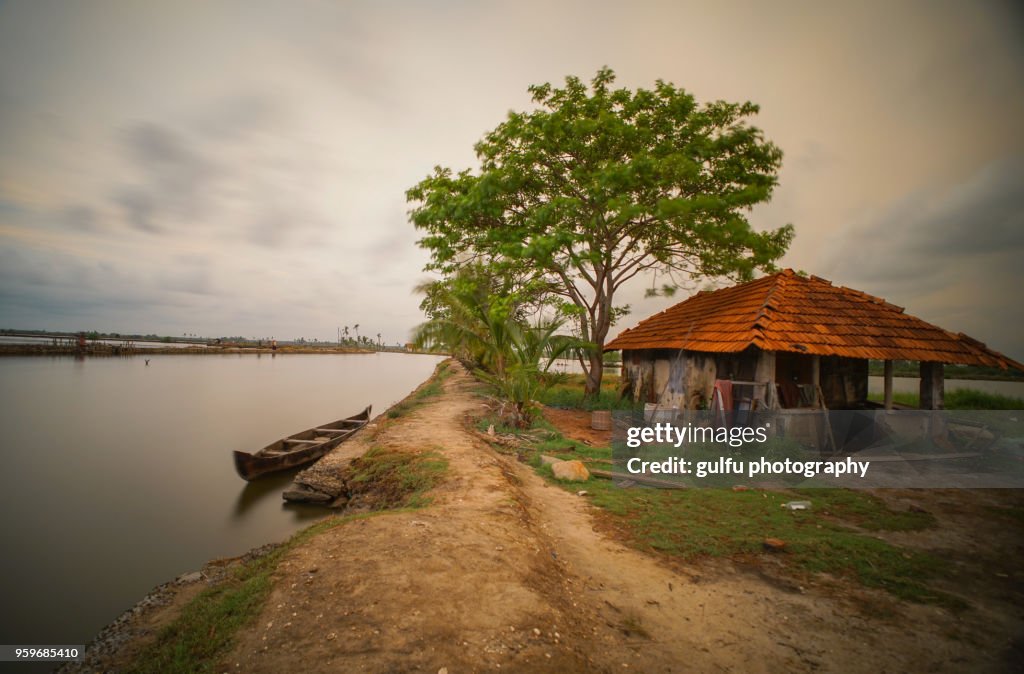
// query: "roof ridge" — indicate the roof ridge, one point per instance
point(874, 299)
point(767, 308)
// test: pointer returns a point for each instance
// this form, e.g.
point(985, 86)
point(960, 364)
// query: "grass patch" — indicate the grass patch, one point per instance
point(908, 399)
point(385, 478)
point(207, 625)
point(1013, 513)
point(960, 399)
point(865, 511)
point(432, 388)
point(695, 523)
point(568, 393)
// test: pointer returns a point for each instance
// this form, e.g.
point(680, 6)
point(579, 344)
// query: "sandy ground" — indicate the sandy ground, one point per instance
point(507, 573)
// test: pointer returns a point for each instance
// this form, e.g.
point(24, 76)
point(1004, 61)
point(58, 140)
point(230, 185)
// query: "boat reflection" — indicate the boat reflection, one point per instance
point(256, 491)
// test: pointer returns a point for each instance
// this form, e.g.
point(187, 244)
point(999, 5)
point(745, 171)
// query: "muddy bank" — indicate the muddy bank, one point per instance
point(118, 644)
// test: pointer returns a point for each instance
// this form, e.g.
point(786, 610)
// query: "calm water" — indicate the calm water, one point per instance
point(118, 476)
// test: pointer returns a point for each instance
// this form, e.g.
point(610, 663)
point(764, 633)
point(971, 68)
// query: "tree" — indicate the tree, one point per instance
point(599, 185)
point(485, 329)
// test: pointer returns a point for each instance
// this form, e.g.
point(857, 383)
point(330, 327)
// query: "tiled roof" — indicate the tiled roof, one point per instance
point(789, 312)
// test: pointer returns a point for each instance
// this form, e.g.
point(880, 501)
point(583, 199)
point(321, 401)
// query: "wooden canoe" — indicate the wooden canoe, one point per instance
point(300, 448)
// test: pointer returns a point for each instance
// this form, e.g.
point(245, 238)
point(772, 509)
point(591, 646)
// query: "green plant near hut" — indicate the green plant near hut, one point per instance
point(483, 320)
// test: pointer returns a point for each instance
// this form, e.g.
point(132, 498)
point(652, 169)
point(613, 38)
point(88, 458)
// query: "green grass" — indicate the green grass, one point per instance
point(206, 626)
point(431, 389)
point(690, 524)
point(1014, 513)
point(568, 393)
point(387, 478)
point(961, 399)
point(865, 511)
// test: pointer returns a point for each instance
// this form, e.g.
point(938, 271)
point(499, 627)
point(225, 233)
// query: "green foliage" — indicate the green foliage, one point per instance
point(597, 185)
point(971, 399)
point(488, 331)
point(569, 393)
point(531, 352)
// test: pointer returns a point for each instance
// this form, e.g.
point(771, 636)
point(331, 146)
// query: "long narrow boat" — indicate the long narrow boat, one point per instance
point(299, 449)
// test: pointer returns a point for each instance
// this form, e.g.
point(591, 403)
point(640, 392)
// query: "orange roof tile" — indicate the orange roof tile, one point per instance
point(789, 312)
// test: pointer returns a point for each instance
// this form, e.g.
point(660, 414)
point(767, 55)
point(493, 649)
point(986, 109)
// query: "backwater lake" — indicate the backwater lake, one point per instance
point(118, 476)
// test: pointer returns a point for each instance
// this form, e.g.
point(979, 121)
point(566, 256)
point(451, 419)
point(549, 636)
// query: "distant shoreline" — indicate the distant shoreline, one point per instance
point(104, 350)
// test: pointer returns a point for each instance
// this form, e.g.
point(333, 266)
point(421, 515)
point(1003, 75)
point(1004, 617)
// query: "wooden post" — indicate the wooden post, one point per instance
point(765, 369)
point(932, 385)
point(816, 371)
point(888, 384)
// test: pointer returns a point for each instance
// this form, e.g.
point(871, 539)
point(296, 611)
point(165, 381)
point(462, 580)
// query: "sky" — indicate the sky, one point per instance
point(240, 168)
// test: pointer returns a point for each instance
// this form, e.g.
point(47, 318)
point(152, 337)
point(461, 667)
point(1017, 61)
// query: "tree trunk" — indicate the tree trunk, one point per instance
point(596, 370)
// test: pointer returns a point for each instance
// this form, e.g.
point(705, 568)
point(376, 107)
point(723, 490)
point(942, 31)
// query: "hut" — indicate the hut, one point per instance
point(786, 341)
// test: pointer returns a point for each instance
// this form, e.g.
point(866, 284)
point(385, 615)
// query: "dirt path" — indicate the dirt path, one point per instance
point(505, 572)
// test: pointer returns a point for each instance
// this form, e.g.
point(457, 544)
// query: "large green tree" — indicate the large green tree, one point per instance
point(597, 185)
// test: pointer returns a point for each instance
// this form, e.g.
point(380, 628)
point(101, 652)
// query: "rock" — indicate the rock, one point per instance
point(546, 460)
point(574, 471)
point(193, 577)
point(306, 496)
point(797, 505)
point(774, 544)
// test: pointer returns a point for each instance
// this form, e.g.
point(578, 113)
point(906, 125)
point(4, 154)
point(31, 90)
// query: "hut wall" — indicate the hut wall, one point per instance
point(844, 381)
point(741, 366)
point(684, 379)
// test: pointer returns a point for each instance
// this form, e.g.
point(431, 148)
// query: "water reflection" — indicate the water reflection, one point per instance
point(269, 487)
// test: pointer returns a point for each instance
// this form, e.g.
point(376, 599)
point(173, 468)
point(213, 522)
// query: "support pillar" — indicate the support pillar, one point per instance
point(888, 385)
point(932, 386)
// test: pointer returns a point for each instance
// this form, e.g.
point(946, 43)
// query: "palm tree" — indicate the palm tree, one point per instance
point(487, 331)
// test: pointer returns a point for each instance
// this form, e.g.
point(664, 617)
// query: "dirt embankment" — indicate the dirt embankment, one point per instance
point(504, 572)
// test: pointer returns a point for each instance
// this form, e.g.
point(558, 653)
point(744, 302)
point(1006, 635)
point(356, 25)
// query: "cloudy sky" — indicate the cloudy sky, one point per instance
point(226, 168)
